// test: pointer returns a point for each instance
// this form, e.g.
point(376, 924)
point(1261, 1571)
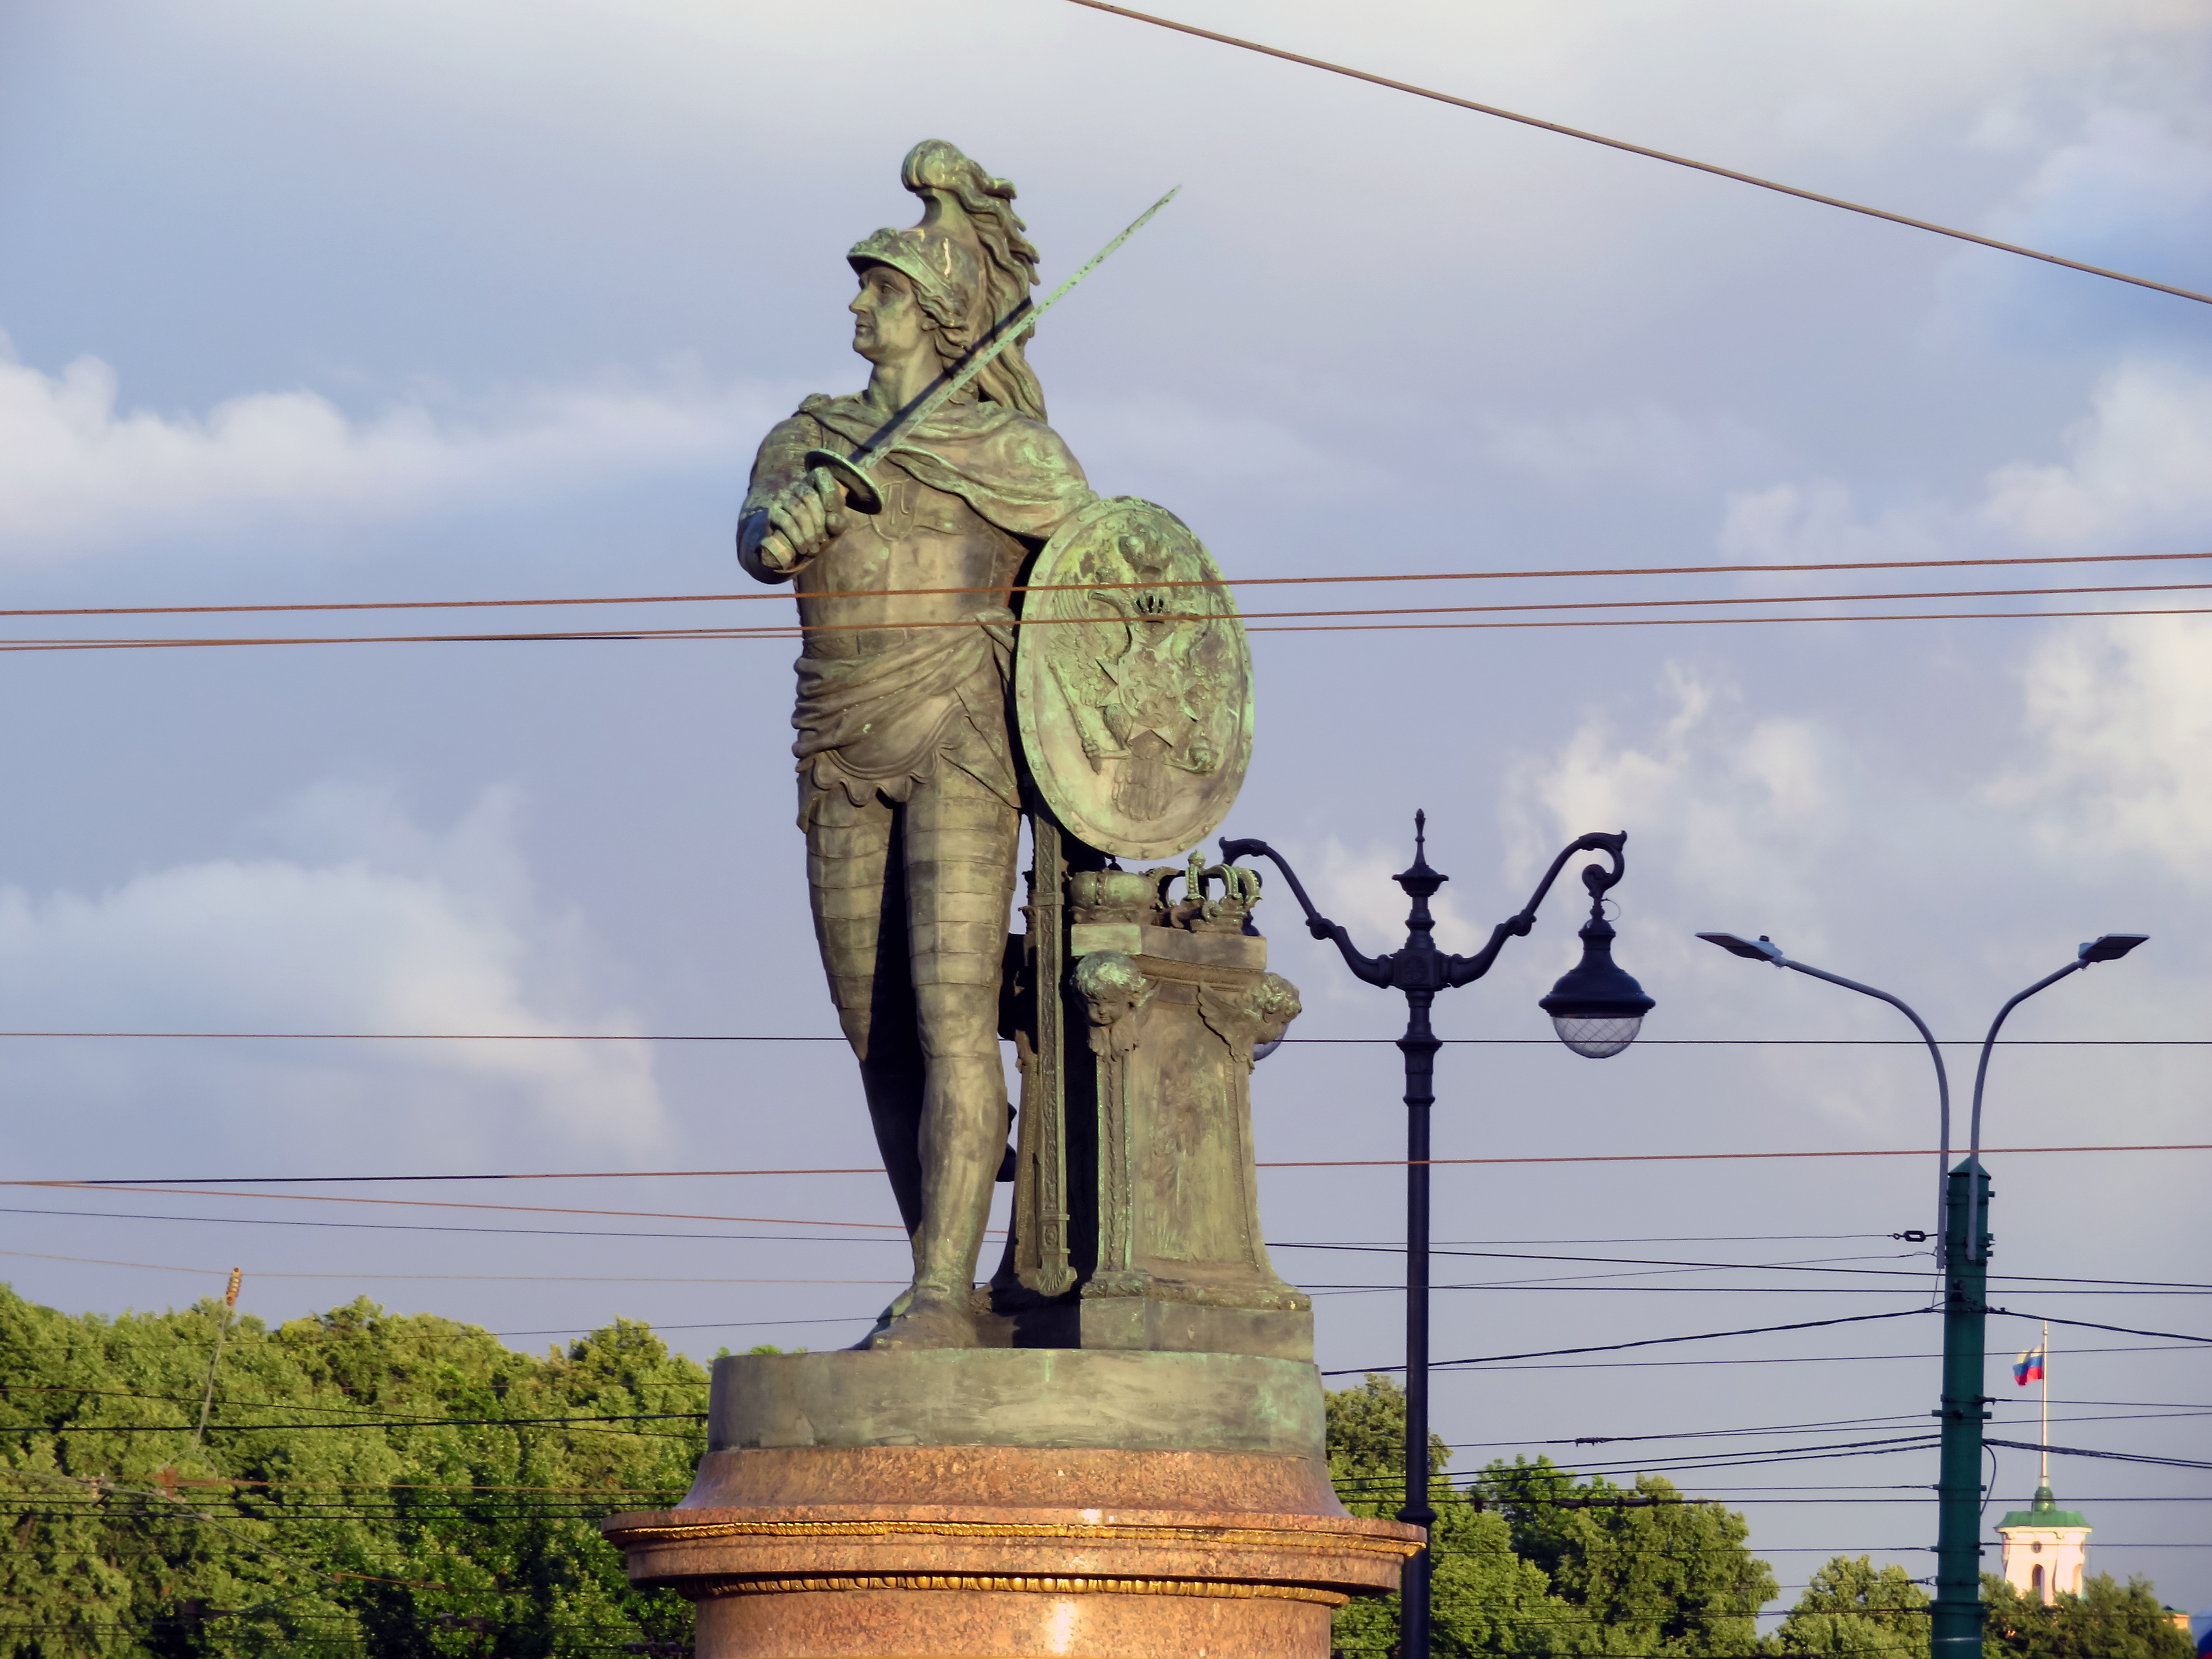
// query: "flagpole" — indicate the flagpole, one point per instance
point(2044, 1440)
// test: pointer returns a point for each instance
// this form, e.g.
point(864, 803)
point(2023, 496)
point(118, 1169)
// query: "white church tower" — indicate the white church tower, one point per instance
point(2046, 1549)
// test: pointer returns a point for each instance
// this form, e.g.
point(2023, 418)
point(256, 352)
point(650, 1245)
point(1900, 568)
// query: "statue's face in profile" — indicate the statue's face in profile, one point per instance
point(888, 324)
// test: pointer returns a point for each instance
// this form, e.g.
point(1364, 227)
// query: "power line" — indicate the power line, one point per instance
point(757, 595)
point(498, 1279)
point(1639, 149)
point(2121, 1457)
point(426, 1227)
point(1643, 1043)
point(794, 630)
point(1793, 1269)
point(2087, 1324)
point(1778, 1359)
point(1646, 1342)
point(755, 1324)
point(1450, 1042)
point(226, 1481)
point(803, 627)
point(1784, 1428)
point(1476, 1243)
point(446, 1204)
point(164, 1183)
point(572, 1420)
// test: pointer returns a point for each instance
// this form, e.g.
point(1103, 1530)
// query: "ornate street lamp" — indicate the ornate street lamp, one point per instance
point(1961, 1230)
point(1595, 1008)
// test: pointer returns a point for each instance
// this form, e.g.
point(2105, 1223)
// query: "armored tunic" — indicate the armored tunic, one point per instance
point(893, 683)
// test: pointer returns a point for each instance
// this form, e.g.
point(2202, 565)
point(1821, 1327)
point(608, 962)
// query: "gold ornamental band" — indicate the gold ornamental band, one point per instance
point(1250, 1537)
point(1033, 1585)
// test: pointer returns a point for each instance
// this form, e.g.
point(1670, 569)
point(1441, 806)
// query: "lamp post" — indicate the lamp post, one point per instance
point(1962, 1227)
point(1596, 1010)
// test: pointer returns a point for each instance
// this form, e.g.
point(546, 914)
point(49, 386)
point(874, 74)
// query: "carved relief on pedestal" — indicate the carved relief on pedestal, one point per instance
point(1172, 991)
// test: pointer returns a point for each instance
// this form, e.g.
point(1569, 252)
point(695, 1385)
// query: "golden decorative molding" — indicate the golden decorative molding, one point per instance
point(1032, 1585)
point(1219, 1536)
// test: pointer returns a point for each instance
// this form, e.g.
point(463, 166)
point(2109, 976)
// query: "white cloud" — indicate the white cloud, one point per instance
point(2123, 713)
point(2139, 464)
point(77, 471)
point(1353, 886)
point(1734, 821)
point(1715, 791)
point(1818, 523)
point(2130, 177)
point(393, 928)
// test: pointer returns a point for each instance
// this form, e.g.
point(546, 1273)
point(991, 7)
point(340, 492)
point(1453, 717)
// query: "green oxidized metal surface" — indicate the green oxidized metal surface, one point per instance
point(1134, 693)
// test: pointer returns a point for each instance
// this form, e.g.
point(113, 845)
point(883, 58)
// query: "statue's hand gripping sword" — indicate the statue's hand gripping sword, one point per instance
point(853, 471)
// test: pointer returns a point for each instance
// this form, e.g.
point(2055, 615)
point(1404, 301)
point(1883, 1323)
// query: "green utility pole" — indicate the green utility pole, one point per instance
point(1957, 1622)
point(1958, 1611)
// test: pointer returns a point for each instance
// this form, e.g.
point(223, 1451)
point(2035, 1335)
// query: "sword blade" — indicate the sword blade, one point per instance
point(1010, 328)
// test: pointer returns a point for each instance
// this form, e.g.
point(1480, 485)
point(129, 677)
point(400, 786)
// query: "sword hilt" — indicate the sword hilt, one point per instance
point(860, 492)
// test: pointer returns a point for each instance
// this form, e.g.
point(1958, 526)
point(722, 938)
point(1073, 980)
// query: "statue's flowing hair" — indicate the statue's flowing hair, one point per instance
point(963, 198)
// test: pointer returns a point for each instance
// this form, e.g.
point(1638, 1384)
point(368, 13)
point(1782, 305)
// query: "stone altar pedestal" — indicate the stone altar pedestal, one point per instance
point(1089, 1503)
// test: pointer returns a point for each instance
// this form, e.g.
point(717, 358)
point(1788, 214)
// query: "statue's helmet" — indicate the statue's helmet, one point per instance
point(969, 262)
point(945, 270)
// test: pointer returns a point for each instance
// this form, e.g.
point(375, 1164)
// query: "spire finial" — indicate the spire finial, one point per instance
point(1420, 836)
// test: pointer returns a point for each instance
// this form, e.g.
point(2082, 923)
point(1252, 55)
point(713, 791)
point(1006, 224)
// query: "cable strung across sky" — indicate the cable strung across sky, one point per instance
point(1036, 587)
point(1643, 150)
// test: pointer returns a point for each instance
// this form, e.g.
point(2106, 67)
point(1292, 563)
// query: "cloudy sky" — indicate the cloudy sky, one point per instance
point(418, 301)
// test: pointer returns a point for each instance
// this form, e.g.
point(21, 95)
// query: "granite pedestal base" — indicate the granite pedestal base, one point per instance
point(958, 1503)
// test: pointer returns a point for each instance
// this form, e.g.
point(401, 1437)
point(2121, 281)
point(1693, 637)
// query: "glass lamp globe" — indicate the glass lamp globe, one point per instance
point(1596, 1009)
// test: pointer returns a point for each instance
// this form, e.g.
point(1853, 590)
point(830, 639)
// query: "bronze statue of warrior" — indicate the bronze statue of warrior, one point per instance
point(907, 775)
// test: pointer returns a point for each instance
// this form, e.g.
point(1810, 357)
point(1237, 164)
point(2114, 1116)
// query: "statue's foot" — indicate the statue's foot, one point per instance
point(931, 1319)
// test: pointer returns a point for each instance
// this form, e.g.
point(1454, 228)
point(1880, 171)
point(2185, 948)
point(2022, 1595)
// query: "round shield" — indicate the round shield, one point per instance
point(1132, 683)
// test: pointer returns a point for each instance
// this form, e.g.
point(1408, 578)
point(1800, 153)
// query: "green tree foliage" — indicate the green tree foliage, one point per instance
point(1484, 1599)
point(325, 1531)
point(1656, 1574)
point(2107, 1620)
point(1852, 1606)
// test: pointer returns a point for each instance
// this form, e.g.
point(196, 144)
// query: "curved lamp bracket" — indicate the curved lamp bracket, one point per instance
point(1598, 879)
point(1374, 972)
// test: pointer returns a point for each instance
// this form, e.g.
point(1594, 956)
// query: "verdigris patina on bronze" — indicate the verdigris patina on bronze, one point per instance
point(907, 785)
point(1116, 1445)
point(1134, 682)
point(926, 524)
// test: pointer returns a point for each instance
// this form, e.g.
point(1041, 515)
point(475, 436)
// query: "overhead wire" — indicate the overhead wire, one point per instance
point(1644, 1342)
point(1375, 1042)
point(191, 1185)
point(797, 630)
point(760, 594)
point(1642, 150)
point(889, 1228)
point(2089, 1325)
point(1776, 1359)
point(496, 1279)
point(1785, 1428)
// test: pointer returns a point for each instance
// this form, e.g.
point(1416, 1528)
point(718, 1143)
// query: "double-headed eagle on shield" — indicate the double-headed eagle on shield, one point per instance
point(1133, 659)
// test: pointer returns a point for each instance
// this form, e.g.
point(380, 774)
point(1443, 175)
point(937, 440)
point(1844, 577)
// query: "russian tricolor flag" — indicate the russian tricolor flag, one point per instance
point(2028, 1368)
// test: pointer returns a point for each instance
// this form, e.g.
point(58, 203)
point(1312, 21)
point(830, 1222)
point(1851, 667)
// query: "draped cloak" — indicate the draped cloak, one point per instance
point(881, 723)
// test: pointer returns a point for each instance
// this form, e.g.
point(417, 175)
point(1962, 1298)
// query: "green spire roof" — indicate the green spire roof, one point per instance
point(2045, 1513)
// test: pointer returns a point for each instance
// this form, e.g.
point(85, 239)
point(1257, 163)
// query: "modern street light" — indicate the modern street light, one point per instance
point(1595, 1008)
point(1962, 1225)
